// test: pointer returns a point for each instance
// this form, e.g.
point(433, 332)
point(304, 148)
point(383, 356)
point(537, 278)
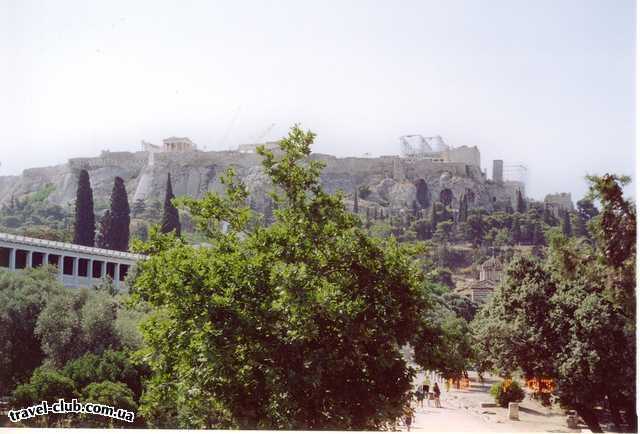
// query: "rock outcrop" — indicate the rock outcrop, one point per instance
point(390, 180)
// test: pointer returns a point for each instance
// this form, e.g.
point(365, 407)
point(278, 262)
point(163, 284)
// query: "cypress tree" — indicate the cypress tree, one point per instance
point(170, 217)
point(538, 235)
point(415, 209)
point(117, 237)
point(516, 232)
point(521, 205)
point(85, 220)
point(462, 215)
point(355, 201)
point(566, 224)
point(103, 231)
point(434, 217)
point(446, 197)
point(422, 192)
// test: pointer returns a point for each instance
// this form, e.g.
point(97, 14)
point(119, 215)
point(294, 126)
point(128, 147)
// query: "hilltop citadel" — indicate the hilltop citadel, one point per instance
point(389, 181)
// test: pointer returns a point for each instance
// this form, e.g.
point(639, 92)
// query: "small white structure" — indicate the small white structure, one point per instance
point(171, 144)
point(78, 266)
point(513, 411)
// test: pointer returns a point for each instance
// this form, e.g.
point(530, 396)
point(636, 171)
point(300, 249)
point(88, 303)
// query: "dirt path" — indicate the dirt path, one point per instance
point(461, 412)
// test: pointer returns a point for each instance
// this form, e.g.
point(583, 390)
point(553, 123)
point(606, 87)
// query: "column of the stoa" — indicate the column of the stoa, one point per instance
point(75, 270)
point(116, 276)
point(12, 259)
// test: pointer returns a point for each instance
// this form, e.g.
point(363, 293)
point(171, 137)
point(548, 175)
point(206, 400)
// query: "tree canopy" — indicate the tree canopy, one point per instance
point(298, 325)
point(572, 317)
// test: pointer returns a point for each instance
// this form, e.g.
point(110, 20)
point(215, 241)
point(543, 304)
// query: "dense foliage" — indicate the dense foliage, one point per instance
point(506, 391)
point(32, 215)
point(298, 325)
point(55, 342)
point(23, 296)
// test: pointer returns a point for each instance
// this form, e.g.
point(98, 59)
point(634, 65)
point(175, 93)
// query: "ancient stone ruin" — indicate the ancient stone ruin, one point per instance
point(388, 181)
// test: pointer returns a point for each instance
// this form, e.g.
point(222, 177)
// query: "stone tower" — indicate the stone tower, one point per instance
point(497, 171)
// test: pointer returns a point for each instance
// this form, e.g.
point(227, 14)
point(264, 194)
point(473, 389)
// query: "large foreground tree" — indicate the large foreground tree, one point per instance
point(298, 325)
point(85, 221)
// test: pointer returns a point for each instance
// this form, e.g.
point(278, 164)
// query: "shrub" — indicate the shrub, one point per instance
point(507, 391)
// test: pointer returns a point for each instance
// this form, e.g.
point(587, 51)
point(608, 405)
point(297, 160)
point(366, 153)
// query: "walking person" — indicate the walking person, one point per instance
point(436, 393)
point(420, 396)
point(408, 417)
point(425, 392)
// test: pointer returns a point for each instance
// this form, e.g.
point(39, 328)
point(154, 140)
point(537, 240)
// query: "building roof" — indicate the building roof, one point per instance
point(177, 139)
point(76, 248)
point(482, 284)
point(491, 263)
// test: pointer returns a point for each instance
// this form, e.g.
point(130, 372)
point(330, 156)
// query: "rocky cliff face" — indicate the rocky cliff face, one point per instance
point(389, 180)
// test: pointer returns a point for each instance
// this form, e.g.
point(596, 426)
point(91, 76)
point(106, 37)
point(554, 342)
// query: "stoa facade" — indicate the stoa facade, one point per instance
point(78, 266)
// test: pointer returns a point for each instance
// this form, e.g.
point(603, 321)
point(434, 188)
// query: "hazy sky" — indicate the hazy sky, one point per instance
point(546, 83)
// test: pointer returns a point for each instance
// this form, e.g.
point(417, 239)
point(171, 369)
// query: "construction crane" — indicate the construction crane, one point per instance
point(423, 147)
point(516, 172)
point(231, 124)
point(260, 137)
point(410, 150)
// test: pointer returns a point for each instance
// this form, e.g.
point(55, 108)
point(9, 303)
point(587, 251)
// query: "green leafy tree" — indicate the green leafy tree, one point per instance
point(298, 325)
point(85, 222)
point(75, 322)
point(444, 232)
point(507, 391)
point(117, 395)
point(461, 305)
point(586, 209)
point(23, 296)
point(44, 385)
point(446, 345)
point(475, 227)
point(615, 228)
point(170, 217)
point(579, 226)
point(572, 318)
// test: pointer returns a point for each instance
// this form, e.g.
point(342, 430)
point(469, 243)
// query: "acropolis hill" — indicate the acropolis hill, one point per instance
point(389, 179)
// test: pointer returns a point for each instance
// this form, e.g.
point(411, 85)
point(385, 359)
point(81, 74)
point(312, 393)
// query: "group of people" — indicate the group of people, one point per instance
point(423, 392)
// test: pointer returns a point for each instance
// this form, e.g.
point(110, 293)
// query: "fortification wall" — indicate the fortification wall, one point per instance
point(193, 173)
point(463, 154)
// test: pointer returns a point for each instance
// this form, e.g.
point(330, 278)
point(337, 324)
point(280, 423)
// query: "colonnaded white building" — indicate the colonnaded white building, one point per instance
point(78, 266)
